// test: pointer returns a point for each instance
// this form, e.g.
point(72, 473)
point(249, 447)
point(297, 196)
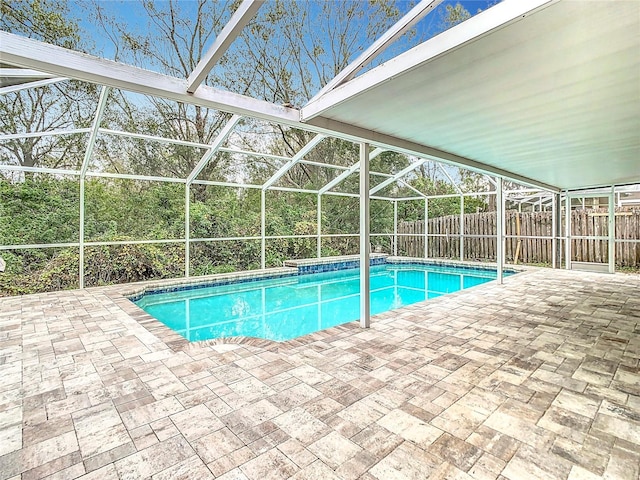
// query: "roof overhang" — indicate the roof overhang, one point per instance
point(545, 90)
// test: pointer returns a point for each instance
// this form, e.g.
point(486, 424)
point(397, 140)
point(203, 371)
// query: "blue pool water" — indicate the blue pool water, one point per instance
point(288, 307)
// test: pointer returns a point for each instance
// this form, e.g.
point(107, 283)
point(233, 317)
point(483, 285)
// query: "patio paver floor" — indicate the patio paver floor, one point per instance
point(535, 379)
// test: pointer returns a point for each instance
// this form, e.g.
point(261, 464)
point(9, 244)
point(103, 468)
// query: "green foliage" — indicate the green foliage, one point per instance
point(339, 214)
point(39, 210)
point(456, 14)
point(208, 258)
point(42, 270)
point(285, 211)
point(140, 210)
point(45, 20)
point(109, 264)
point(438, 207)
point(31, 271)
point(224, 212)
point(61, 106)
point(42, 209)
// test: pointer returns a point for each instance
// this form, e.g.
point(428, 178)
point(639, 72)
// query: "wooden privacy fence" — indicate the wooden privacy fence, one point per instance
point(480, 231)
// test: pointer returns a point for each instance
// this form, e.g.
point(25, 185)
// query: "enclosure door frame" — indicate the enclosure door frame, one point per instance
point(605, 267)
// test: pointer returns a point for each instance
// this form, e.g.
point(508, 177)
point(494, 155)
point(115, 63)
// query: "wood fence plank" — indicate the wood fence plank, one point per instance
point(539, 224)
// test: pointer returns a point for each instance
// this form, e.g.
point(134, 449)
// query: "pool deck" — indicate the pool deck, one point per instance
point(535, 379)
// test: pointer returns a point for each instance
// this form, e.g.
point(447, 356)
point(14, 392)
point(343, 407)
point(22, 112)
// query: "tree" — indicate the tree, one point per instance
point(64, 105)
point(176, 37)
point(292, 50)
point(455, 14)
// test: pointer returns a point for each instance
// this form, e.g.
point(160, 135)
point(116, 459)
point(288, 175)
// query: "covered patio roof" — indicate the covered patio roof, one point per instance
point(547, 90)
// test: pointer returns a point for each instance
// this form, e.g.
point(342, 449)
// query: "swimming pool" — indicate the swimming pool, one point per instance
point(295, 305)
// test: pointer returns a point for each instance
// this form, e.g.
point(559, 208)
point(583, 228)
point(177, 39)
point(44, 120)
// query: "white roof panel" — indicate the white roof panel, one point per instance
point(552, 94)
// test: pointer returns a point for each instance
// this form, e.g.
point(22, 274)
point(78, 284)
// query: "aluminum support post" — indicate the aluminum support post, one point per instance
point(612, 230)
point(263, 230)
point(319, 228)
point(395, 228)
point(81, 236)
point(426, 228)
point(187, 230)
point(500, 230)
point(461, 228)
point(555, 203)
point(365, 307)
point(567, 231)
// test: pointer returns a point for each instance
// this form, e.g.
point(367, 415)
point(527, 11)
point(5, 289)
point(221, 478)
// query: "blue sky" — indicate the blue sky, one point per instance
point(132, 14)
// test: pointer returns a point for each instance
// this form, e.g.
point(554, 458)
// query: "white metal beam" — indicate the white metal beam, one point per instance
point(397, 176)
point(395, 228)
point(296, 158)
point(53, 171)
point(240, 18)
point(426, 230)
point(414, 15)
point(555, 227)
point(187, 230)
point(353, 168)
point(263, 229)
point(344, 175)
point(318, 226)
point(26, 52)
point(97, 119)
point(154, 138)
point(186, 143)
point(323, 165)
point(422, 195)
point(27, 85)
point(528, 198)
point(214, 147)
point(56, 171)
point(567, 232)
point(22, 73)
point(52, 133)
point(446, 174)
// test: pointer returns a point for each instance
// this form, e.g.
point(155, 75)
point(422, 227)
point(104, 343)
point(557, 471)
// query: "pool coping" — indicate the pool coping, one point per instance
point(122, 295)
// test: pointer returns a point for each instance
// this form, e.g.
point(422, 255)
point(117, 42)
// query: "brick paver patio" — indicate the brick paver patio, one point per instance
point(536, 379)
